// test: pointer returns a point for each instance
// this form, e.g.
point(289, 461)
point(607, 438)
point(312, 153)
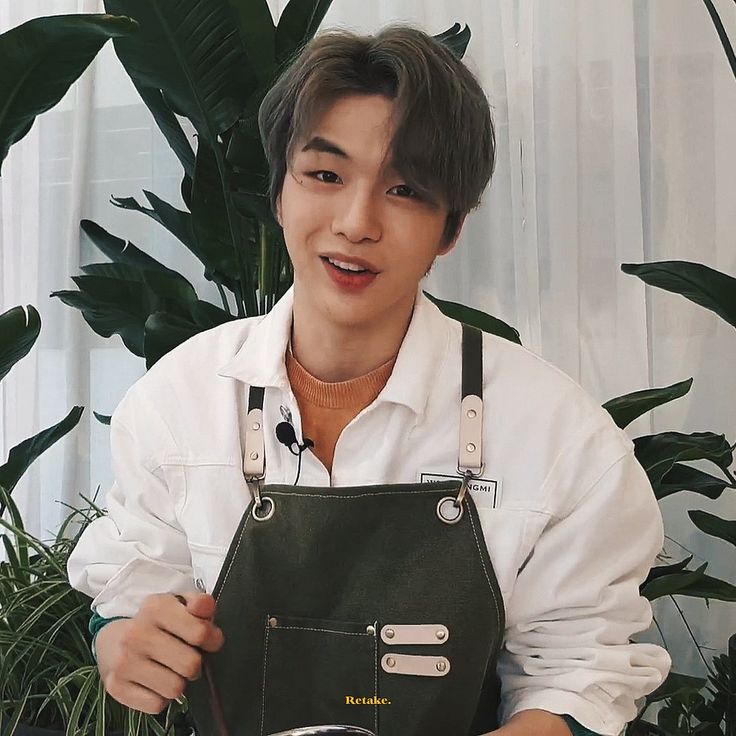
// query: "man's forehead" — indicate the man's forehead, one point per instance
point(321, 144)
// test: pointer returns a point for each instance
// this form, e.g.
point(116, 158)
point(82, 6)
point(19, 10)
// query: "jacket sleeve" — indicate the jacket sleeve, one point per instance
point(138, 547)
point(576, 603)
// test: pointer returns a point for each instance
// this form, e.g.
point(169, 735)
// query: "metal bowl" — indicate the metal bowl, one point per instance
point(325, 731)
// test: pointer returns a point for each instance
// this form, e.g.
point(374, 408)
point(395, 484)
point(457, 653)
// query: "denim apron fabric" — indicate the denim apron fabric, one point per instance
point(375, 606)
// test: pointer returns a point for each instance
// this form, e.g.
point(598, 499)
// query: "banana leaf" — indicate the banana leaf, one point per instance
point(624, 409)
point(698, 283)
point(724, 529)
point(476, 318)
point(22, 455)
point(19, 329)
point(41, 59)
point(686, 478)
point(192, 51)
point(658, 453)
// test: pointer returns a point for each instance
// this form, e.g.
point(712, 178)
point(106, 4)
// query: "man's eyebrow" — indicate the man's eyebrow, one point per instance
point(323, 145)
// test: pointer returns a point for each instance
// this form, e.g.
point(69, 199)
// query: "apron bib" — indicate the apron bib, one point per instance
point(375, 606)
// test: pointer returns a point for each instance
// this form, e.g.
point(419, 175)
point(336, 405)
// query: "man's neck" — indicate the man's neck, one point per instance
point(332, 353)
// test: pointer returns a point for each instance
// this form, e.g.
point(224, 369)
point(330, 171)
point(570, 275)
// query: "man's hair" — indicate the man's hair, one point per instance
point(444, 144)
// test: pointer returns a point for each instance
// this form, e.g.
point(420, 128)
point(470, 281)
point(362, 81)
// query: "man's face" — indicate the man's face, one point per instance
point(342, 201)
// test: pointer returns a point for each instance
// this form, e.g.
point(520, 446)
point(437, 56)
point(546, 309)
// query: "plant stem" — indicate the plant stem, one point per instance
point(235, 232)
point(223, 296)
point(725, 42)
point(692, 636)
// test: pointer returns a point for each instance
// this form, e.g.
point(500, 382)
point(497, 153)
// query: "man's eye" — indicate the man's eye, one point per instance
point(317, 175)
point(405, 191)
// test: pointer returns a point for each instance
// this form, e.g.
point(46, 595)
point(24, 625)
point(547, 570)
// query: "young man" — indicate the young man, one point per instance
point(460, 550)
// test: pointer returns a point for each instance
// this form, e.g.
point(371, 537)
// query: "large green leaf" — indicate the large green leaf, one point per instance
point(676, 684)
point(476, 318)
point(258, 34)
point(455, 39)
point(662, 570)
point(164, 332)
point(672, 583)
point(690, 583)
point(119, 250)
point(165, 285)
point(624, 409)
point(168, 125)
point(213, 216)
point(658, 453)
point(19, 330)
point(724, 529)
point(22, 455)
point(193, 52)
point(701, 284)
point(122, 305)
point(299, 21)
point(686, 478)
point(41, 59)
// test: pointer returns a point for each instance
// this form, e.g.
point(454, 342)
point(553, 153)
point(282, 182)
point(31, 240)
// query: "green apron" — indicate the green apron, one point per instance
point(375, 606)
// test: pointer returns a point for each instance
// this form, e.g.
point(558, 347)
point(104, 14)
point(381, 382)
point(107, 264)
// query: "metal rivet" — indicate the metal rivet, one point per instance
point(390, 633)
point(440, 634)
point(441, 666)
point(273, 622)
point(254, 456)
point(471, 413)
point(470, 447)
point(370, 629)
point(256, 426)
point(390, 661)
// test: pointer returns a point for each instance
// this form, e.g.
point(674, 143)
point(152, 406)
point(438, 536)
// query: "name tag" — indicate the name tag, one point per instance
point(486, 491)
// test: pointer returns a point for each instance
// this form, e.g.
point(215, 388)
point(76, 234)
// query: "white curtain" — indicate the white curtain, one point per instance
point(616, 143)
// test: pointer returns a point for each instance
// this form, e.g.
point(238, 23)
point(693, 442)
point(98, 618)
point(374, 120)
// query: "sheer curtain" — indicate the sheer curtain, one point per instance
point(616, 143)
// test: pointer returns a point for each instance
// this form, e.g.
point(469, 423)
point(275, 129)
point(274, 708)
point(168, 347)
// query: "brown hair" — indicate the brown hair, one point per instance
point(444, 143)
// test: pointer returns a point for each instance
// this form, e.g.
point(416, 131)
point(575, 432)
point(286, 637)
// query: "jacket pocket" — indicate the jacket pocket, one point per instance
point(314, 671)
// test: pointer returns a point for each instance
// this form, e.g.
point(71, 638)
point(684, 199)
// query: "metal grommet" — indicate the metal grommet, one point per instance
point(254, 456)
point(470, 447)
point(389, 633)
point(390, 661)
point(448, 511)
point(270, 509)
point(441, 666)
point(255, 427)
point(440, 634)
point(472, 413)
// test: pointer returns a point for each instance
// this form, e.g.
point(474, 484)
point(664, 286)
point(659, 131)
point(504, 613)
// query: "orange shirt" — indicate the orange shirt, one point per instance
point(327, 408)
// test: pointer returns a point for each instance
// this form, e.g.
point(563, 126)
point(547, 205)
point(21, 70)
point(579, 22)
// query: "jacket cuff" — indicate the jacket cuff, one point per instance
point(95, 625)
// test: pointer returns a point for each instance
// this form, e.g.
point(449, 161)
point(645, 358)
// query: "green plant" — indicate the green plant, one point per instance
point(48, 676)
point(213, 68)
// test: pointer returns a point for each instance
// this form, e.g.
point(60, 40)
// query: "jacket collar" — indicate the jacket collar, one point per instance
point(260, 361)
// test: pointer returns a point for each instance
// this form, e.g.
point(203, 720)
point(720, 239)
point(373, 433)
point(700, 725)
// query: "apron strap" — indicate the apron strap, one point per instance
point(254, 460)
point(470, 456)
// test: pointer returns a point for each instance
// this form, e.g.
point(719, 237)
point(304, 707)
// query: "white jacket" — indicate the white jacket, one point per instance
point(568, 514)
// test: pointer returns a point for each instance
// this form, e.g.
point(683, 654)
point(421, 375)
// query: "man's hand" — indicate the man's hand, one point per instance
point(533, 723)
point(145, 661)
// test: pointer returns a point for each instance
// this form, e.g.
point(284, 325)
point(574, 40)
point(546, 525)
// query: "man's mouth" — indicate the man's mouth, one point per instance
point(345, 266)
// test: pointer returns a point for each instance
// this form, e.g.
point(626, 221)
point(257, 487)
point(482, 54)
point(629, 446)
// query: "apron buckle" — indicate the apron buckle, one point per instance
point(254, 483)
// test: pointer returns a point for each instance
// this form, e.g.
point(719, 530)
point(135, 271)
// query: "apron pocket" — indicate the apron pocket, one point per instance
point(314, 671)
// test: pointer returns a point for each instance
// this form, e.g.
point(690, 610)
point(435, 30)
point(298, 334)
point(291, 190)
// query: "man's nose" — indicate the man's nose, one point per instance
point(358, 217)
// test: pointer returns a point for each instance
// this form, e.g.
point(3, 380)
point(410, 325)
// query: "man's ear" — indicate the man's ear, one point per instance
point(445, 249)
